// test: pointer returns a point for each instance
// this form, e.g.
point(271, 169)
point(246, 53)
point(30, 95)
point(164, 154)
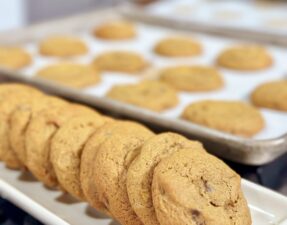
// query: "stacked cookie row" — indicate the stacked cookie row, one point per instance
point(119, 167)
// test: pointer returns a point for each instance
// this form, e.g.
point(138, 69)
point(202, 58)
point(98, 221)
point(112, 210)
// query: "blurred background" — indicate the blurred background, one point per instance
point(23, 12)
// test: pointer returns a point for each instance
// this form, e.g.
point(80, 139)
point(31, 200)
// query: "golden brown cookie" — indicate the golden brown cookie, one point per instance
point(39, 135)
point(195, 188)
point(66, 150)
point(153, 95)
point(113, 158)
point(14, 58)
point(245, 58)
point(11, 96)
point(70, 74)
point(62, 46)
point(271, 95)
point(87, 163)
point(120, 61)
point(116, 30)
point(192, 78)
point(233, 117)
point(20, 119)
point(178, 47)
point(140, 172)
point(107, 131)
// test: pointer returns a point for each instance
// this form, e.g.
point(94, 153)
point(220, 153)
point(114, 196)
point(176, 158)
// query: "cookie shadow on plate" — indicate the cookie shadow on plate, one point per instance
point(67, 199)
point(27, 177)
point(114, 223)
point(90, 211)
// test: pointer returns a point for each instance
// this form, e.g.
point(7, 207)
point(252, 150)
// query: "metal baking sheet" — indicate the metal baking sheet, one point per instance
point(52, 207)
point(263, 148)
point(258, 20)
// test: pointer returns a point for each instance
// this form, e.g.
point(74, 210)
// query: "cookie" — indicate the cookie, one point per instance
point(113, 158)
point(271, 95)
point(11, 96)
point(87, 163)
point(140, 172)
point(39, 135)
point(72, 75)
point(62, 46)
point(233, 117)
point(193, 188)
point(107, 131)
point(116, 30)
point(120, 61)
point(245, 58)
point(66, 150)
point(192, 78)
point(14, 58)
point(153, 95)
point(20, 119)
point(178, 47)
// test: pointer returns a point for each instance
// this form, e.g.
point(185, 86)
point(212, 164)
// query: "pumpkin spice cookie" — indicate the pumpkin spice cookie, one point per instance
point(66, 149)
point(11, 96)
point(120, 61)
point(233, 117)
point(39, 135)
point(188, 190)
point(88, 165)
point(72, 75)
point(20, 119)
point(178, 47)
point(14, 58)
point(271, 95)
point(116, 30)
point(153, 95)
point(192, 78)
point(62, 46)
point(245, 58)
point(113, 159)
point(140, 172)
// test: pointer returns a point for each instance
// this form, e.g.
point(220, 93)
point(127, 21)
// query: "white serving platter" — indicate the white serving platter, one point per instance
point(52, 207)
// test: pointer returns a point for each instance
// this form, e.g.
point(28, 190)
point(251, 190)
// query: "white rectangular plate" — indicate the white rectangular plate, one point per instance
point(54, 208)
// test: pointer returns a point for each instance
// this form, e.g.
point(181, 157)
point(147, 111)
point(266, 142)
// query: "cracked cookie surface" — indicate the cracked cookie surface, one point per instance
point(140, 172)
point(187, 190)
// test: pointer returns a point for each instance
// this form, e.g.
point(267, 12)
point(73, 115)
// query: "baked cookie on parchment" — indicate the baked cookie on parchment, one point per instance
point(271, 95)
point(62, 46)
point(245, 58)
point(120, 61)
point(233, 117)
point(14, 57)
point(153, 95)
point(71, 74)
point(192, 78)
point(178, 47)
point(115, 30)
